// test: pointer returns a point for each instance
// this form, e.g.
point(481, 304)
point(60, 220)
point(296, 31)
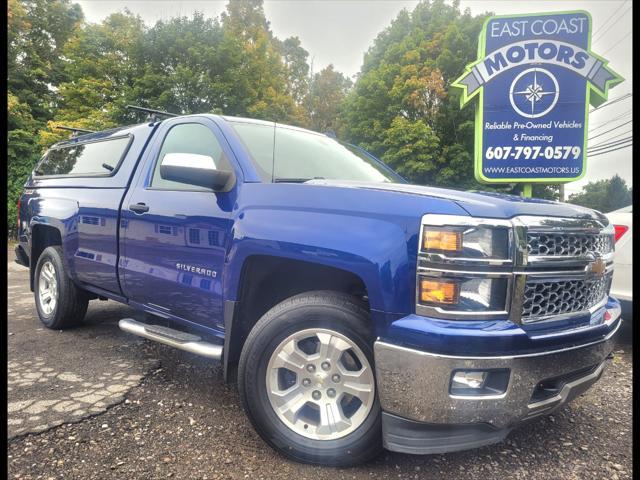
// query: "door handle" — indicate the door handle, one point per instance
point(138, 208)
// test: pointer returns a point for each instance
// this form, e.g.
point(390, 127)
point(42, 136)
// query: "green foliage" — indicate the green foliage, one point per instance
point(327, 91)
point(65, 71)
point(296, 67)
point(102, 62)
point(36, 32)
point(411, 147)
point(604, 195)
point(21, 153)
point(403, 88)
point(260, 72)
point(182, 67)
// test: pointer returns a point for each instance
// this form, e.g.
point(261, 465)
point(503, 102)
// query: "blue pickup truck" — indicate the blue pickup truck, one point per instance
point(355, 311)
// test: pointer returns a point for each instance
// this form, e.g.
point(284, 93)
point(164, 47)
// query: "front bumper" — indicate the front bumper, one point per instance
point(421, 416)
point(627, 311)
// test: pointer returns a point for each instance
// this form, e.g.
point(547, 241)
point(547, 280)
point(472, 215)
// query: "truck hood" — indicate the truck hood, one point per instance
point(477, 204)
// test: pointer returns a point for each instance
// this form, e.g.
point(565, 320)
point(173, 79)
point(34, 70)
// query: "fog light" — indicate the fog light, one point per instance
point(466, 379)
point(479, 383)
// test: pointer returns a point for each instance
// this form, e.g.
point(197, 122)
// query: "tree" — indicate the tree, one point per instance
point(403, 89)
point(327, 91)
point(101, 63)
point(411, 147)
point(259, 71)
point(22, 152)
point(407, 73)
point(185, 67)
point(604, 195)
point(36, 33)
point(297, 69)
point(232, 65)
point(64, 71)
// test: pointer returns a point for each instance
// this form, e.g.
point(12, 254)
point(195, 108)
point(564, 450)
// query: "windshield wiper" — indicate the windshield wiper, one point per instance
point(295, 180)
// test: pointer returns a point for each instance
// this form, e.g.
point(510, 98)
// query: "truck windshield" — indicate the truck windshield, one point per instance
point(289, 154)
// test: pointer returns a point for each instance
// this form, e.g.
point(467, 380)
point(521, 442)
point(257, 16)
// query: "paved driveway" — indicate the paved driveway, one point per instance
point(95, 403)
point(57, 377)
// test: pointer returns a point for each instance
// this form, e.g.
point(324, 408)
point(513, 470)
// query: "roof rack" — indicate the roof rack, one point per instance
point(74, 131)
point(152, 114)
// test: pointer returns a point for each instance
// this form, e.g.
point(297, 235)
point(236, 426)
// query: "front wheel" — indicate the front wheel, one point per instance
point(307, 381)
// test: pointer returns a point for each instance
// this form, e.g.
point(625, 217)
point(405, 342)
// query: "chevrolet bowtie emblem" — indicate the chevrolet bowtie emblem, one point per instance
point(597, 267)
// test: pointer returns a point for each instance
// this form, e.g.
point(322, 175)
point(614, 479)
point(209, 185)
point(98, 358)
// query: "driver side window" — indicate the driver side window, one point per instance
point(188, 138)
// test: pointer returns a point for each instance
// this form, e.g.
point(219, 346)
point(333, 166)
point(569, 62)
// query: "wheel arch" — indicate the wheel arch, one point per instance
point(267, 280)
point(42, 236)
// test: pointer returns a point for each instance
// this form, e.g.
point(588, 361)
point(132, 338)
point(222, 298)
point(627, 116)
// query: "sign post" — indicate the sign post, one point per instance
point(535, 78)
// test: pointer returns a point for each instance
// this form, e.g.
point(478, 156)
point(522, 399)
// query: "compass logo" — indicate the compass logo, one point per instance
point(534, 92)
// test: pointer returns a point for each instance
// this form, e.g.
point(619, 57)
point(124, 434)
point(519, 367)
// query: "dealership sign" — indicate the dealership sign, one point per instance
point(535, 78)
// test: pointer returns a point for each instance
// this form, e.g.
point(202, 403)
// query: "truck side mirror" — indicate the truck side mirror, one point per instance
point(195, 169)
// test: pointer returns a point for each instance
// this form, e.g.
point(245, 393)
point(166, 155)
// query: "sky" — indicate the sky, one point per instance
point(339, 32)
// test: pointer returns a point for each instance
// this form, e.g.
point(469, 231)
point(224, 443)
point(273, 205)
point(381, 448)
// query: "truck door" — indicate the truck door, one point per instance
point(174, 236)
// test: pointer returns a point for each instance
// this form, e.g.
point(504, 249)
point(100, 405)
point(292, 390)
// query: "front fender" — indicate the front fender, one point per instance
point(371, 234)
point(374, 250)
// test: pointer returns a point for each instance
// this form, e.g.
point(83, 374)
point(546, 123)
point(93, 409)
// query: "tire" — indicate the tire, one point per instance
point(69, 302)
point(313, 317)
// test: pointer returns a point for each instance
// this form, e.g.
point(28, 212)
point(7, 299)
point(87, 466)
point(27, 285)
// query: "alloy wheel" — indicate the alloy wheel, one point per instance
point(320, 384)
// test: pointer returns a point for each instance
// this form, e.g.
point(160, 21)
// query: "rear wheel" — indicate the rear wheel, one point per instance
point(307, 382)
point(59, 302)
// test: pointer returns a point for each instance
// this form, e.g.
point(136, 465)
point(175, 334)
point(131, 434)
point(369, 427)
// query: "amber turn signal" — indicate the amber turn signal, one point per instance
point(432, 291)
point(442, 240)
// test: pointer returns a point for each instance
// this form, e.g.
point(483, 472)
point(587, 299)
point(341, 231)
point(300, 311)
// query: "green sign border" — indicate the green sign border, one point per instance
point(595, 100)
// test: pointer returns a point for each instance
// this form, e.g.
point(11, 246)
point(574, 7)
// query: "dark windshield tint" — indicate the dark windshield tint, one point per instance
point(302, 155)
point(96, 158)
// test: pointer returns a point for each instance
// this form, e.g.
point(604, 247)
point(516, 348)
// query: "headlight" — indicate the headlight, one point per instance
point(466, 242)
point(464, 267)
point(460, 294)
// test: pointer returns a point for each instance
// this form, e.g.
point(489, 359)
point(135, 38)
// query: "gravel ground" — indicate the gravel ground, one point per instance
point(58, 377)
point(181, 421)
point(184, 422)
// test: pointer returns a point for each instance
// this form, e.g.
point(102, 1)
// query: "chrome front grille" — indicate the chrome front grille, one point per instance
point(544, 298)
point(568, 244)
point(568, 267)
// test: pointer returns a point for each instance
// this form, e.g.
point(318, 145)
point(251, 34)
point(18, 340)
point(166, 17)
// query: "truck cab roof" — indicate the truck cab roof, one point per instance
point(87, 137)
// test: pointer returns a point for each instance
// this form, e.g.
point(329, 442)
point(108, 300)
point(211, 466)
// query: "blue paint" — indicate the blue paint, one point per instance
point(494, 337)
point(184, 258)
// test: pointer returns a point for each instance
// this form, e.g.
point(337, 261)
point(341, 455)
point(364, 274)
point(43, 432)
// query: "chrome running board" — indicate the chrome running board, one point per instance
point(174, 338)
